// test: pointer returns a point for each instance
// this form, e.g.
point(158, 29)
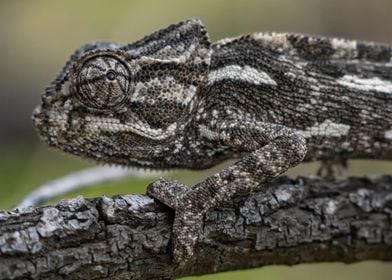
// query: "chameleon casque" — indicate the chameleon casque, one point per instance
point(173, 99)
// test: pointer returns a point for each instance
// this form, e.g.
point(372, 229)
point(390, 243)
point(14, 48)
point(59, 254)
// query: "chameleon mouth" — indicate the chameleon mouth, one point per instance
point(55, 132)
point(54, 123)
point(37, 117)
point(104, 124)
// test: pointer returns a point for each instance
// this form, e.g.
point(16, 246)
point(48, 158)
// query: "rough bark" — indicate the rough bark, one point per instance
point(128, 237)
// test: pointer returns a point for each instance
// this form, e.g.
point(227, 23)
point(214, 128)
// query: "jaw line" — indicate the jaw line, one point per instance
point(131, 162)
point(99, 124)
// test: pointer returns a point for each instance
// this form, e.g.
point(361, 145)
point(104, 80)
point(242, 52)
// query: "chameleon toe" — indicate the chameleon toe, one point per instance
point(167, 192)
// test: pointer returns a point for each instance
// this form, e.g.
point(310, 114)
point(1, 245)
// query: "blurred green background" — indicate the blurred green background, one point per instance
point(37, 37)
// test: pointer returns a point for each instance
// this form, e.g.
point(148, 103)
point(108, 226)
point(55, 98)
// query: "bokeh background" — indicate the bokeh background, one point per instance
point(37, 37)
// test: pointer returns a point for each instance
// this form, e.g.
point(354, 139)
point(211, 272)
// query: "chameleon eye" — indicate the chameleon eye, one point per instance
point(102, 82)
point(111, 75)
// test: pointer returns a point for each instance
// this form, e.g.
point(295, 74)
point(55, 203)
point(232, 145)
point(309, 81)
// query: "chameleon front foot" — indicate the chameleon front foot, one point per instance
point(167, 192)
point(187, 221)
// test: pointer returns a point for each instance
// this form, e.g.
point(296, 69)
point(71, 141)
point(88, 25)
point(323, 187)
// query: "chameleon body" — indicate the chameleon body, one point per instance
point(173, 99)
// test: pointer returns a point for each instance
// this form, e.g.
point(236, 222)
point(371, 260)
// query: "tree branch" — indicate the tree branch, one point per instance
point(128, 237)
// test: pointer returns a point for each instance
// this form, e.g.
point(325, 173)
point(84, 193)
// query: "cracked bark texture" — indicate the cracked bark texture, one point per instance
point(128, 237)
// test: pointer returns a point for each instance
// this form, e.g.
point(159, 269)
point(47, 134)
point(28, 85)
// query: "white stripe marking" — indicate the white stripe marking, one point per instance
point(371, 84)
point(344, 44)
point(98, 124)
point(209, 134)
point(327, 128)
point(388, 134)
point(247, 74)
point(276, 39)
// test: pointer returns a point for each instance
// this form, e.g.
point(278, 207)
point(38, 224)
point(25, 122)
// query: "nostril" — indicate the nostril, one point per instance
point(46, 99)
point(39, 116)
point(36, 112)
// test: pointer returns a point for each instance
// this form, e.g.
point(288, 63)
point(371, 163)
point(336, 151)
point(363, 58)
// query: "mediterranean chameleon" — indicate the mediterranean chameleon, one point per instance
point(173, 99)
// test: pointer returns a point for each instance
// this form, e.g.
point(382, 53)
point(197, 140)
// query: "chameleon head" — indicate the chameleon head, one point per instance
point(123, 104)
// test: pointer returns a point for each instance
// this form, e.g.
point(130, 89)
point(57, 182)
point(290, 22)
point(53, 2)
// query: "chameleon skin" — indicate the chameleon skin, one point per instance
point(173, 99)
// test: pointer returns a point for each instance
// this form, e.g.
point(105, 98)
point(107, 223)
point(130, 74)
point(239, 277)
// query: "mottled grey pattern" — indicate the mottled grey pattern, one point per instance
point(173, 100)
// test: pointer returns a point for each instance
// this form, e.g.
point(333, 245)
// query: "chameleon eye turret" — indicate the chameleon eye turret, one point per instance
point(102, 82)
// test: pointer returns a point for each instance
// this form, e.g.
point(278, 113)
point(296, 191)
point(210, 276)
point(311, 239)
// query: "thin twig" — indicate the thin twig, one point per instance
point(78, 180)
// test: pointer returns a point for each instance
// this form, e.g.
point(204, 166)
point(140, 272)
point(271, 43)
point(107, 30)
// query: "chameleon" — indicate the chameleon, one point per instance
point(173, 99)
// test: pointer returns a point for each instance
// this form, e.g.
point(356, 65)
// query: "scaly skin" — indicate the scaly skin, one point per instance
point(174, 100)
